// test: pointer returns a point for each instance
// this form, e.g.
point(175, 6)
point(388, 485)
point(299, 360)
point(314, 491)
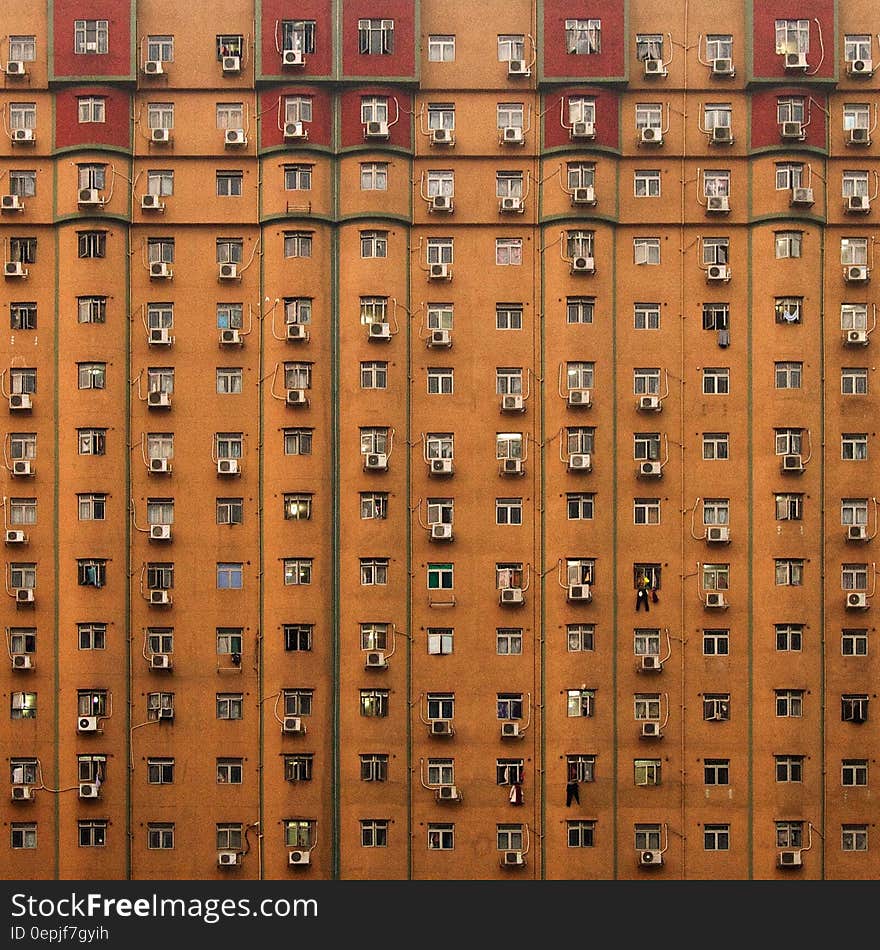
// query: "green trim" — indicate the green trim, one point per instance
point(294, 218)
point(373, 147)
point(50, 45)
point(124, 152)
point(374, 216)
point(70, 80)
point(336, 9)
point(580, 150)
point(581, 219)
point(749, 43)
point(325, 151)
point(91, 219)
point(56, 739)
point(789, 149)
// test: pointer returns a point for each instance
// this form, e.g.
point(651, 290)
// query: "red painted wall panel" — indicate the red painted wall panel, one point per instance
point(765, 128)
point(400, 133)
point(611, 59)
point(319, 63)
point(117, 60)
point(767, 63)
point(607, 117)
point(114, 131)
point(319, 127)
point(402, 61)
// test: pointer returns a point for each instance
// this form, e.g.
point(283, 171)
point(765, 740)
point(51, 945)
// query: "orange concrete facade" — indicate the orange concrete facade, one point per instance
point(363, 365)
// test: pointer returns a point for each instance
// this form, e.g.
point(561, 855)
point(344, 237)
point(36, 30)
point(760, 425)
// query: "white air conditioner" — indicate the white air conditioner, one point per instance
point(722, 67)
point(15, 67)
point(650, 470)
point(858, 203)
point(159, 465)
point(518, 67)
point(160, 661)
point(802, 196)
point(160, 135)
point(20, 401)
point(511, 204)
point(87, 724)
point(22, 661)
point(296, 397)
point(580, 462)
point(160, 598)
point(227, 859)
point(160, 269)
point(579, 592)
point(583, 196)
point(159, 400)
point(292, 57)
point(857, 67)
point(715, 598)
point(721, 135)
point(655, 67)
point(512, 403)
point(439, 272)
point(441, 466)
point(375, 660)
point(789, 859)
point(792, 463)
point(441, 203)
point(228, 271)
point(159, 336)
point(227, 466)
point(650, 403)
point(857, 600)
point(299, 858)
point(376, 461)
point(511, 595)
point(441, 137)
point(448, 793)
point(14, 536)
point(151, 203)
point(509, 730)
point(718, 534)
point(230, 337)
point(650, 136)
point(297, 331)
point(583, 265)
point(160, 532)
point(650, 663)
point(717, 203)
point(24, 595)
point(580, 397)
point(153, 67)
point(11, 203)
point(379, 331)
point(859, 136)
point(440, 338)
point(376, 130)
point(14, 269)
point(22, 468)
point(89, 197)
point(512, 135)
point(718, 272)
point(792, 130)
point(856, 273)
point(513, 859)
point(166, 712)
point(231, 64)
point(795, 60)
point(441, 727)
point(511, 466)
point(650, 730)
point(294, 131)
point(22, 793)
point(23, 135)
point(857, 337)
point(650, 858)
point(89, 789)
point(234, 137)
point(856, 532)
point(293, 725)
point(583, 130)
point(441, 532)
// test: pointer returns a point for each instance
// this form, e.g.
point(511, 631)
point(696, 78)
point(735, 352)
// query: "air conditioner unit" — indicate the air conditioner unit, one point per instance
point(160, 598)
point(650, 469)
point(22, 793)
point(166, 712)
point(857, 600)
point(379, 331)
point(512, 135)
point(792, 130)
point(650, 858)
point(22, 661)
point(511, 467)
point(513, 859)
point(579, 592)
point(441, 466)
point(717, 203)
point(295, 130)
point(230, 337)
point(15, 67)
point(583, 196)
point(227, 466)
point(649, 136)
point(20, 401)
point(441, 532)
point(583, 265)
point(509, 730)
point(654, 67)
point(160, 661)
point(518, 67)
point(160, 269)
point(159, 336)
point(234, 137)
point(25, 595)
point(512, 403)
point(856, 532)
point(14, 269)
point(23, 135)
point(231, 64)
point(299, 858)
point(292, 57)
point(153, 67)
point(160, 135)
point(375, 660)
point(11, 203)
point(448, 793)
point(856, 273)
point(89, 197)
point(802, 196)
point(859, 337)
point(511, 204)
point(858, 67)
point(293, 725)
point(718, 272)
point(718, 534)
point(511, 595)
point(228, 271)
point(87, 724)
point(651, 730)
point(13, 536)
point(441, 203)
point(583, 130)
point(296, 397)
point(715, 599)
point(795, 60)
point(160, 532)
point(159, 465)
point(440, 338)
point(227, 859)
point(789, 859)
point(858, 203)
point(580, 397)
point(441, 727)
point(580, 461)
point(722, 67)
point(159, 400)
point(650, 663)
point(439, 272)
point(151, 203)
point(376, 130)
point(377, 461)
point(650, 403)
point(297, 331)
point(88, 789)
point(792, 463)
point(859, 136)
point(441, 136)
point(22, 468)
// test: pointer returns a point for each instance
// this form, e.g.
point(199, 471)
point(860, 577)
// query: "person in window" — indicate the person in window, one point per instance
point(643, 588)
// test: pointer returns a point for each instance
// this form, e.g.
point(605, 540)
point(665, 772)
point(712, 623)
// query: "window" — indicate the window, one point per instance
point(716, 445)
point(646, 381)
point(91, 244)
point(646, 316)
point(509, 445)
point(297, 244)
point(157, 703)
point(716, 771)
point(649, 46)
point(22, 183)
point(441, 48)
point(646, 511)
point(230, 115)
point(646, 446)
point(788, 375)
point(298, 35)
point(160, 250)
point(297, 177)
point(581, 109)
point(854, 707)
point(716, 511)
point(511, 47)
point(580, 506)
point(790, 109)
point(716, 707)
point(789, 637)
point(646, 642)
point(440, 576)
point(508, 184)
point(510, 115)
point(789, 834)
point(716, 577)
point(579, 310)
point(229, 771)
point(229, 643)
point(88, 310)
point(646, 250)
point(508, 316)
point(580, 767)
point(374, 244)
point(854, 446)
point(23, 835)
point(789, 768)
point(22, 115)
point(440, 379)
point(854, 837)
point(375, 37)
point(160, 836)
point(716, 381)
point(441, 115)
point(297, 441)
point(228, 837)
point(854, 511)
point(508, 771)
point(374, 505)
point(649, 115)
point(91, 375)
point(297, 506)
point(229, 576)
point(23, 316)
point(229, 379)
point(160, 115)
point(647, 837)
point(298, 637)
point(92, 833)
point(374, 571)
point(855, 183)
point(583, 37)
point(91, 176)
point(509, 706)
point(508, 511)
point(854, 381)
point(229, 250)
point(439, 640)
point(23, 48)
point(22, 511)
point(441, 837)
point(853, 251)
point(508, 251)
point(160, 639)
point(91, 572)
point(856, 116)
point(716, 183)
point(508, 641)
point(229, 705)
point(715, 251)
point(229, 185)
point(91, 506)
point(91, 109)
point(297, 571)
point(581, 175)
point(374, 767)
point(788, 244)
point(580, 637)
point(716, 642)
point(297, 109)
point(854, 772)
point(91, 36)
point(160, 49)
point(717, 115)
point(374, 109)
point(23, 706)
point(374, 702)
point(89, 442)
point(716, 316)
point(854, 642)
point(789, 572)
point(854, 576)
point(376, 439)
point(647, 183)
point(441, 772)
point(440, 705)
point(297, 702)
point(579, 439)
point(374, 833)
point(580, 702)
point(789, 703)
point(716, 837)
point(788, 441)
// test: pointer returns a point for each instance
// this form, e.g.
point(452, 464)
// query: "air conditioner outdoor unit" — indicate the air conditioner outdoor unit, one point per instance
point(650, 403)
point(650, 858)
point(159, 336)
point(439, 272)
point(792, 130)
point(14, 269)
point(650, 136)
point(293, 725)
point(153, 67)
point(234, 137)
point(227, 859)
point(802, 196)
point(159, 400)
point(23, 135)
point(160, 661)
point(160, 532)
point(651, 663)
point(14, 536)
point(650, 469)
point(22, 793)
point(579, 592)
point(441, 466)
point(856, 532)
point(584, 196)
point(858, 67)
point(22, 661)
point(511, 466)
point(228, 271)
point(792, 463)
point(789, 859)
point(583, 265)
point(440, 338)
point(856, 273)
point(375, 660)
point(11, 203)
point(654, 67)
point(299, 858)
point(858, 203)
point(87, 724)
point(722, 67)
point(511, 204)
point(227, 466)
point(795, 60)
point(231, 64)
point(377, 461)
point(718, 272)
point(513, 859)
point(441, 203)
point(441, 532)
point(448, 793)
point(297, 331)
point(160, 598)
point(160, 269)
point(512, 403)
point(295, 130)
point(518, 67)
point(718, 534)
point(441, 727)
point(88, 789)
point(511, 595)
point(20, 401)
point(296, 397)
point(512, 135)
point(441, 136)
point(580, 397)
point(15, 67)
point(859, 337)
point(718, 203)
point(166, 712)
point(160, 135)
point(22, 468)
point(379, 331)
point(159, 465)
point(230, 337)
point(583, 130)
point(151, 203)
point(580, 462)
point(715, 599)
point(376, 130)
point(24, 595)
point(90, 197)
point(509, 730)
point(857, 600)
point(651, 730)
point(859, 136)
point(292, 57)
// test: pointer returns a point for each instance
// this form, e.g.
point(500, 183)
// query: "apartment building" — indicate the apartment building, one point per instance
point(438, 439)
